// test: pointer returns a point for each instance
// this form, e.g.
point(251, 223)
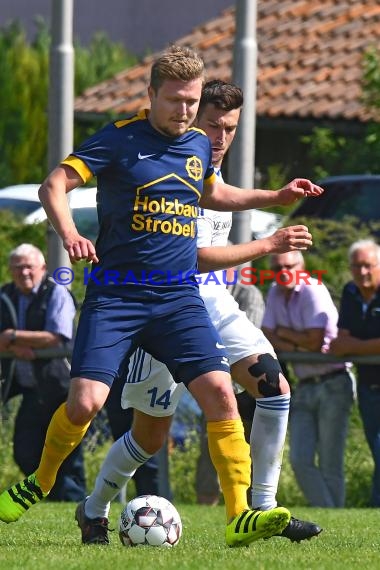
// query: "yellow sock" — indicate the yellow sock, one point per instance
point(231, 458)
point(61, 438)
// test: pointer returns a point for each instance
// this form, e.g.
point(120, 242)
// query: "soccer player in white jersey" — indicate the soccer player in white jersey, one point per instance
point(152, 392)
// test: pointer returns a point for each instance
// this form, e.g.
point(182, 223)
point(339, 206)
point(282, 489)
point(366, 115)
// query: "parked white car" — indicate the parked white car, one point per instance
point(23, 199)
point(264, 224)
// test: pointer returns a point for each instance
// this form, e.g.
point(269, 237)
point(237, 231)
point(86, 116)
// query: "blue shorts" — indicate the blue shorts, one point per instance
point(173, 326)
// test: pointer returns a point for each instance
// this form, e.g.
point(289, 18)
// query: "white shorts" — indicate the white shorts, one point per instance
point(149, 386)
point(239, 335)
point(151, 389)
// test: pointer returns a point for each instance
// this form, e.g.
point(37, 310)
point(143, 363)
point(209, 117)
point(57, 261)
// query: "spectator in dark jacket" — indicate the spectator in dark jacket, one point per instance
point(37, 313)
point(359, 334)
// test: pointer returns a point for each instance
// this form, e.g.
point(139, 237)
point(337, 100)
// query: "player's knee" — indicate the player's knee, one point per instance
point(155, 438)
point(82, 411)
point(150, 432)
point(151, 443)
point(85, 400)
point(216, 398)
point(268, 373)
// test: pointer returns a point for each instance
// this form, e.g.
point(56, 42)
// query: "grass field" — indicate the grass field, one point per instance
point(48, 538)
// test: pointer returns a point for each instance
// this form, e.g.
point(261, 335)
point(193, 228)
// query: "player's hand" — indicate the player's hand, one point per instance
point(290, 239)
point(297, 189)
point(79, 248)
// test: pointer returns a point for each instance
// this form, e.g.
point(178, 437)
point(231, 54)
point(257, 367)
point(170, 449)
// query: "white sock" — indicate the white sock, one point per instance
point(121, 462)
point(267, 445)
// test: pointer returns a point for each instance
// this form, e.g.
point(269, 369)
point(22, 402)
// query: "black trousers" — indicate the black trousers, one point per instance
point(32, 420)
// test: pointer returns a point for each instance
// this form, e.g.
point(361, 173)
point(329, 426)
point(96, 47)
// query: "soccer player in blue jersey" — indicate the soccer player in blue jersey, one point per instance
point(152, 170)
point(151, 391)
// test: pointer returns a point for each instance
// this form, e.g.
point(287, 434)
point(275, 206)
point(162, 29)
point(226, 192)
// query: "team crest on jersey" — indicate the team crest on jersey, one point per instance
point(194, 168)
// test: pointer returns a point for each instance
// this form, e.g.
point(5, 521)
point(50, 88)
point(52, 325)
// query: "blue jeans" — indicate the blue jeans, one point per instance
point(318, 422)
point(369, 407)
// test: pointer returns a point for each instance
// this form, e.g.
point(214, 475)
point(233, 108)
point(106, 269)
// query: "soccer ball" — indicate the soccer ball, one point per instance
point(150, 520)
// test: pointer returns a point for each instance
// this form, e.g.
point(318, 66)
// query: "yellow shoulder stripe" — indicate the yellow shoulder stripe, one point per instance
point(197, 130)
point(79, 166)
point(211, 179)
point(141, 115)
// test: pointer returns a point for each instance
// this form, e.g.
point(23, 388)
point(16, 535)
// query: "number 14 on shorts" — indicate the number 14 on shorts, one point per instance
point(157, 399)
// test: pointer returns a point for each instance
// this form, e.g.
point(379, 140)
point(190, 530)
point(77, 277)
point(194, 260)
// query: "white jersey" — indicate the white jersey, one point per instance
point(149, 387)
point(213, 229)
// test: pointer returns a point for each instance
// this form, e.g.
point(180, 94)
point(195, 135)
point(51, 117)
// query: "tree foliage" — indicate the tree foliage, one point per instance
point(334, 154)
point(24, 80)
point(100, 60)
point(331, 241)
point(23, 102)
point(371, 78)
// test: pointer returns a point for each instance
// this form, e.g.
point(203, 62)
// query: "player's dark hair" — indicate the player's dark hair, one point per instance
point(224, 96)
point(178, 62)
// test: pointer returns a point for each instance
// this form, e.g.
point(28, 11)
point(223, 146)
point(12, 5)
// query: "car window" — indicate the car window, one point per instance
point(20, 207)
point(353, 199)
point(86, 221)
point(360, 198)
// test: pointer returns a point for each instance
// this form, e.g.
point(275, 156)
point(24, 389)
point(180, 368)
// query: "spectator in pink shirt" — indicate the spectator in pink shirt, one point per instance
point(300, 316)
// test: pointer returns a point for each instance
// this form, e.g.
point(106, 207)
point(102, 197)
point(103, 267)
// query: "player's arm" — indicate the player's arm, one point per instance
point(53, 197)
point(225, 198)
point(283, 240)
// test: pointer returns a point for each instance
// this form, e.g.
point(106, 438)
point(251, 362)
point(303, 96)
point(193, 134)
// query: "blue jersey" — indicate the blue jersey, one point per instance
point(149, 186)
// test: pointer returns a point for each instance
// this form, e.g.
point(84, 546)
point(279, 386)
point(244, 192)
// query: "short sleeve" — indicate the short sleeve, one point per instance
point(318, 307)
point(60, 313)
point(204, 228)
point(97, 152)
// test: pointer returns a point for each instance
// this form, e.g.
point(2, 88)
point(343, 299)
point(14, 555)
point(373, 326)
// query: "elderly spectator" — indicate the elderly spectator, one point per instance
point(359, 334)
point(37, 313)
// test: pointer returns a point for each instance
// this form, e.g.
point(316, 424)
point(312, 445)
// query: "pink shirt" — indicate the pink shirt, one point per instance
point(310, 306)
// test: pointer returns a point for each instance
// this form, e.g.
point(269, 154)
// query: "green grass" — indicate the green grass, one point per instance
point(47, 538)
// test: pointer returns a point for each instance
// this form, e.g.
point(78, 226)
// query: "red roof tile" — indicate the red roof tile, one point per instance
point(310, 55)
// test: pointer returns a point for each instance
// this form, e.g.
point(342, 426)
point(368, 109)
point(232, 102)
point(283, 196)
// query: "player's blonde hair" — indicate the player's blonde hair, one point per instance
point(177, 62)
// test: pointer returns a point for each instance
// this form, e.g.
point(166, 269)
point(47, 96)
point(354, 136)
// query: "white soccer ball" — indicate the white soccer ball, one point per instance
point(150, 520)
